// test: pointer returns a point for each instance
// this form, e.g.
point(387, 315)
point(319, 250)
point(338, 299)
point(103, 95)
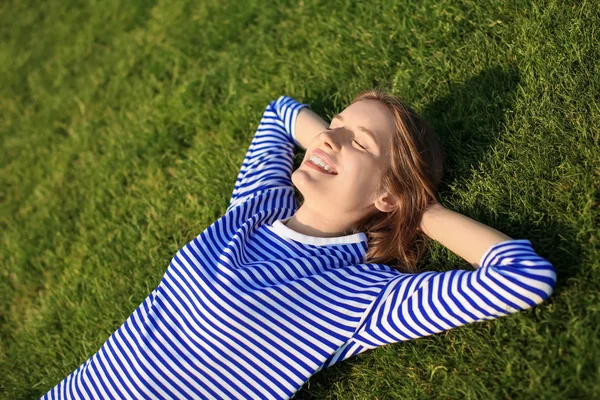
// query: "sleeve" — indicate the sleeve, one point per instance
point(511, 277)
point(269, 161)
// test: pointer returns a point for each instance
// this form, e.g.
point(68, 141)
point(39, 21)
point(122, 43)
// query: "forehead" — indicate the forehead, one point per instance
point(372, 115)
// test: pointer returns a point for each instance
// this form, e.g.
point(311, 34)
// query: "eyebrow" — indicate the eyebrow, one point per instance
point(362, 128)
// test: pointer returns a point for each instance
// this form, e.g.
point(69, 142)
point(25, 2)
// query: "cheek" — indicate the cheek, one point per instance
point(362, 171)
point(358, 180)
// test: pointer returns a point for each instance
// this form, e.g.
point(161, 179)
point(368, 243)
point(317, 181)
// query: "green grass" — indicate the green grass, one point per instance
point(123, 127)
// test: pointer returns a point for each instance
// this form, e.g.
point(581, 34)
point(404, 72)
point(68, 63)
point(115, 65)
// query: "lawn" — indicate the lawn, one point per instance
point(124, 124)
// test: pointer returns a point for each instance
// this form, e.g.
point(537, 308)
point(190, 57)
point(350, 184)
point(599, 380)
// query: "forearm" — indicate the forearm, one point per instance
point(464, 236)
point(308, 125)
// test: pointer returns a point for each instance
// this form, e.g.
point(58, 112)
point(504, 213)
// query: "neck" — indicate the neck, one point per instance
point(311, 223)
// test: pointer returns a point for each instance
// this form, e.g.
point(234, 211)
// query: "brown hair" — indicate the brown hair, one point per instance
point(413, 178)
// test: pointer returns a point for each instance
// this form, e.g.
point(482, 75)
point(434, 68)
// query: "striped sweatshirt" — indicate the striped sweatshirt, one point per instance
point(250, 309)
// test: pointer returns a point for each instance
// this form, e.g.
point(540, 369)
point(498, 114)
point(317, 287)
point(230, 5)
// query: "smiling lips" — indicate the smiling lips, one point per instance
point(323, 156)
point(318, 168)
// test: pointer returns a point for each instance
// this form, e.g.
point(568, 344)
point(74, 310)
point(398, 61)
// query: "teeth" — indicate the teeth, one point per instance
point(321, 163)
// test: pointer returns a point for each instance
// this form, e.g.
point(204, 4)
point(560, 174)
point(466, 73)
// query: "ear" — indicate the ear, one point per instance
point(385, 203)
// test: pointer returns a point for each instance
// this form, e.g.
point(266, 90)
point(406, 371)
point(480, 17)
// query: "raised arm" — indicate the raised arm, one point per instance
point(510, 276)
point(308, 125)
point(269, 160)
point(464, 236)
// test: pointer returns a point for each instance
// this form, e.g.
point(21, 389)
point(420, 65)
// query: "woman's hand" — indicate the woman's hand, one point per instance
point(464, 236)
point(433, 205)
point(308, 125)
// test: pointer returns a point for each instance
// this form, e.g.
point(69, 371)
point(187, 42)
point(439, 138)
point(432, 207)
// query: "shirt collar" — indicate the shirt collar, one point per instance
point(283, 230)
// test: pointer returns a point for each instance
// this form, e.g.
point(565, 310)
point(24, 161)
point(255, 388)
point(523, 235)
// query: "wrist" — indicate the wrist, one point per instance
point(430, 213)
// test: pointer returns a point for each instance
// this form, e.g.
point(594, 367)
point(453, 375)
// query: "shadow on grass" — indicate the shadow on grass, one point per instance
point(468, 121)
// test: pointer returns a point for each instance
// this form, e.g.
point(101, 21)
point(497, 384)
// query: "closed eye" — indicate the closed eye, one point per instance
point(329, 129)
point(360, 145)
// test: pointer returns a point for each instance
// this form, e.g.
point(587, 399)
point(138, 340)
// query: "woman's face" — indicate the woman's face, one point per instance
point(359, 158)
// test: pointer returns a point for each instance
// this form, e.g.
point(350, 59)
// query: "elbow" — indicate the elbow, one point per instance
point(543, 285)
point(549, 282)
point(534, 276)
point(532, 283)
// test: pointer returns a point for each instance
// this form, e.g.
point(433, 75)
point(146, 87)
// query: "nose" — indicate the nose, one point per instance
point(329, 139)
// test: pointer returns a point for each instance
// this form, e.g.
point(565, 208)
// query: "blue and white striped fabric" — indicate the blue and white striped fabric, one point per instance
point(250, 309)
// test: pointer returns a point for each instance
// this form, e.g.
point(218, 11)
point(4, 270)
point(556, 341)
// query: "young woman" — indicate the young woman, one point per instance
point(271, 293)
